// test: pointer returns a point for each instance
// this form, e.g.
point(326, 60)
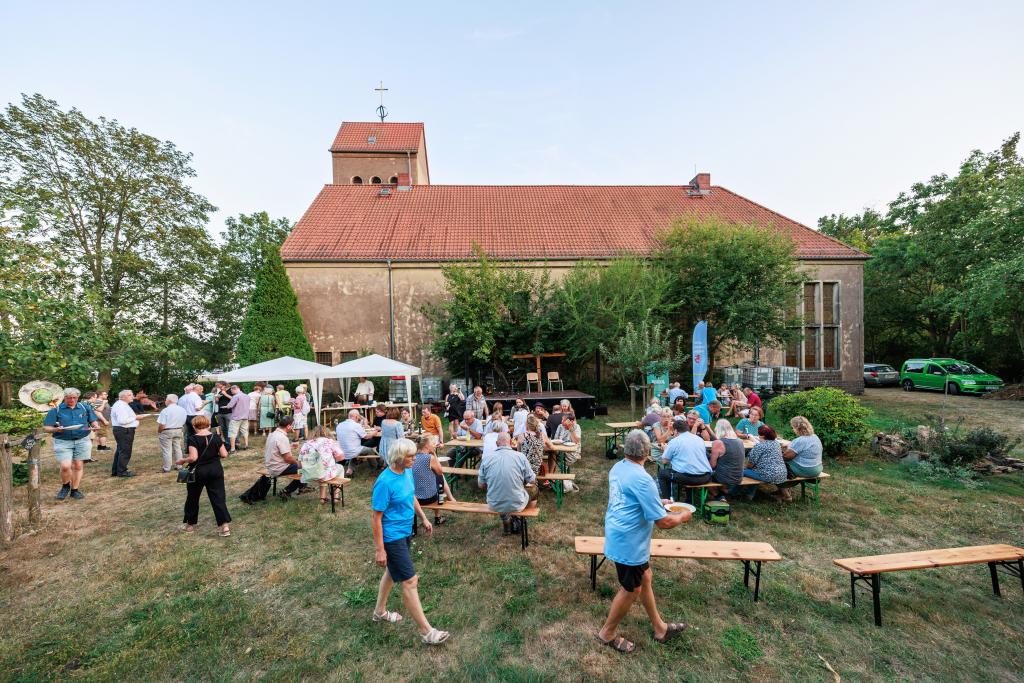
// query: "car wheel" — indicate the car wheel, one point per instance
point(953, 388)
point(908, 385)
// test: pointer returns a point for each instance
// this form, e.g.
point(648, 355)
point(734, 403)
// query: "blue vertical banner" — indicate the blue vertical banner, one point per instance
point(700, 352)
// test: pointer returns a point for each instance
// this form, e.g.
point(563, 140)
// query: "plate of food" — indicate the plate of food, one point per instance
point(675, 508)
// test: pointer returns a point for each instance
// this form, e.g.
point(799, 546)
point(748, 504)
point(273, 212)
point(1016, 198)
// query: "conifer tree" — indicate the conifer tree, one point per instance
point(273, 325)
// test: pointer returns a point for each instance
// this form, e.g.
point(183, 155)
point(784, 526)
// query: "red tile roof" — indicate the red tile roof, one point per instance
point(387, 137)
point(441, 222)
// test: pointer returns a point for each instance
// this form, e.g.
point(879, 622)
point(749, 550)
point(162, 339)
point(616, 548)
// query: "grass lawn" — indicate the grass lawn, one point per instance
point(107, 590)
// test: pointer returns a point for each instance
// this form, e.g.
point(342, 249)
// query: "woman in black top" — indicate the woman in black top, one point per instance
point(204, 453)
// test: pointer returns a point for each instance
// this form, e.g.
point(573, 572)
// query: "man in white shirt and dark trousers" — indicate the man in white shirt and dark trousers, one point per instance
point(124, 421)
point(193, 404)
point(170, 426)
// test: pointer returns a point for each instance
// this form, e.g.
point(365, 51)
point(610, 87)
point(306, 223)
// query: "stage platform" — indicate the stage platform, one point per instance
point(582, 404)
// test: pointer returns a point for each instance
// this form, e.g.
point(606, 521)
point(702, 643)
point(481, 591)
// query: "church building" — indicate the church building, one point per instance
point(367, 254)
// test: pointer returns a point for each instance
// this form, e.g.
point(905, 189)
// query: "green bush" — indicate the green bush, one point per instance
point(955, 447)
point(839, 420)
point(20, 421)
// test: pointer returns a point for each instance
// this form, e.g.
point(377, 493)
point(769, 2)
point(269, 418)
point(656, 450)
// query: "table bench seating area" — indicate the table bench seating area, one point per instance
point(868, 570)
point(557, 479)
point(702, 490)
point(751, 554)
point(338, 483)
point(482, 509)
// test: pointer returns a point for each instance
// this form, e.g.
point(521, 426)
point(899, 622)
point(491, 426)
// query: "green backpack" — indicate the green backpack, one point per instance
point(310, 467)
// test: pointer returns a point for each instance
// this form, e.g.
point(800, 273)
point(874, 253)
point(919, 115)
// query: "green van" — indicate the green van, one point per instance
point(942, 374)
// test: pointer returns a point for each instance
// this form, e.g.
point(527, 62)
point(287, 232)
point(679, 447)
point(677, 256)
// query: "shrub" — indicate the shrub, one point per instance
point(839, 420)
point(20, 421)
point(954, 447)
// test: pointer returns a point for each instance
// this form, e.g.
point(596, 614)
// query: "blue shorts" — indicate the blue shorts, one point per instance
point(66, 450)
point(400, 559)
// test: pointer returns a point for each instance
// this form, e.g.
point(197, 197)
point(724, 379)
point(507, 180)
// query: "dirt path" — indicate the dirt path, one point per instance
point(1003, 416)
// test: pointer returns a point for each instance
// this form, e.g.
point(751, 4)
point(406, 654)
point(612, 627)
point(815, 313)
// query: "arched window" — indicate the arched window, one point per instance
point(375, 180)
point(394, 180)
point(356, 180)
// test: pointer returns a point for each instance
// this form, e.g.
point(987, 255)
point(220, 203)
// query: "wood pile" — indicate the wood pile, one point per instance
point(1011, 392)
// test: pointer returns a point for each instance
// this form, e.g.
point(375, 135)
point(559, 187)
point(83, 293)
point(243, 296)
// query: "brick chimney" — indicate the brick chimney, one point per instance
point(404, 183)
point(701, 181)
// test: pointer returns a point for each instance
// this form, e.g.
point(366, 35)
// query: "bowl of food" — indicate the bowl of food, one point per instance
point(676, 508)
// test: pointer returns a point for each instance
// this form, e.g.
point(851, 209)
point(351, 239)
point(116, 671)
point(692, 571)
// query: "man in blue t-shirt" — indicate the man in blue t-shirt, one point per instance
point(394, 509)
point(70, 423)
point(633, 509)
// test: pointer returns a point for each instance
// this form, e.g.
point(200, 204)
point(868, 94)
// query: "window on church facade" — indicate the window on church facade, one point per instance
point(375, 180)
point(815, 345)
point(394, 180)
point(325, 357)
point(356, 180)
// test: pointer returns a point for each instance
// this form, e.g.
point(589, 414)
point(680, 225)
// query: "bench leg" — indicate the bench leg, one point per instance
point(559, 492)
point(875, 582)
point(330, 492)
point(594, 566)
point(525, 533)
point(342, 496)
point(995, 578)
point(756, 571)
point(273, 481)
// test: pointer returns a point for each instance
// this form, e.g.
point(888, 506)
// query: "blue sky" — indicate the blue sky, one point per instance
point(809, 108)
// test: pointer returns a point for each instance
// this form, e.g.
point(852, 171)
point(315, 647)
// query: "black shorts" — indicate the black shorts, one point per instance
point(631, 575)
point(400, 559)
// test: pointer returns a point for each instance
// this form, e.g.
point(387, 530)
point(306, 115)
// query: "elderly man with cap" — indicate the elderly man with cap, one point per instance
point(170, 426)
point(70, 423)
point(633, 510)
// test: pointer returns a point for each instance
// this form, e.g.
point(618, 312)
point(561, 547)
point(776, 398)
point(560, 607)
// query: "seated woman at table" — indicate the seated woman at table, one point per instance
point(405, 417)
point(569, 433)
point(427, 475)
point(738, 402)
point(749, 425)
point(490, 439)
point(518, 417)
point(390, 432)
point(652, 418)
point(332, 458)
point(766, 461)
point(496, 417)
point(661, 433)
point(533, 442)
point(803, 456)
point(727, 458)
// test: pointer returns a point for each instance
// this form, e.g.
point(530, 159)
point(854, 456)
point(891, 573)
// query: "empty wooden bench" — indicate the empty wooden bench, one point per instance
point(750, 554)
point(336, 483)
point(869, 569)
point(482, 509)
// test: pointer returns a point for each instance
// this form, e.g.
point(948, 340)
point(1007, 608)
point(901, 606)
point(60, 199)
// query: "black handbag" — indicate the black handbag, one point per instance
point(188, 474)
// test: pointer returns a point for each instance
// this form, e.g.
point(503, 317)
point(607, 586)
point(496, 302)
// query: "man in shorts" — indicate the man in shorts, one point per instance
point(71, 447)
point(633, 509)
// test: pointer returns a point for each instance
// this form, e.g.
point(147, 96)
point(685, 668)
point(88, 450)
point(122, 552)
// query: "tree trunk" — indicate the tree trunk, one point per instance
point(35, 513)
point(6, 393)
point(6, 492)
point(104, 380)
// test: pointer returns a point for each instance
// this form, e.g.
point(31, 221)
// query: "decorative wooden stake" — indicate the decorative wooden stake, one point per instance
point(6, 492)
point(35, 512)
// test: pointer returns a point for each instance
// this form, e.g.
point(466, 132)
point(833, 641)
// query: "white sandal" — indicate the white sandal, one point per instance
point(390, 617)
point(434, 637)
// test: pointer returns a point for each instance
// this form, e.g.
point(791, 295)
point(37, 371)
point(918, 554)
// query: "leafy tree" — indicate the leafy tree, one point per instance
point(116, 203)
point(645, 347)
point(859, 231)
point(597, 301)
point(273, 325)
point(742, 279)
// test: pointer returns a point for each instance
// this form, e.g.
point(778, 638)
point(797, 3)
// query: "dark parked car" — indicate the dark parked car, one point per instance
point(879, 375)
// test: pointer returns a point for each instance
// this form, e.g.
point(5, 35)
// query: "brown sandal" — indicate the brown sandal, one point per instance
point(618, 643)
point(672, 631)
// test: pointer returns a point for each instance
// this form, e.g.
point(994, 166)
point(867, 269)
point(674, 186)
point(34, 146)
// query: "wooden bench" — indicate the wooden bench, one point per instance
point(750, 554)
point(556, 477)
point(868, 570)
point(703, 489)
point(336, 483)
point(482, 509)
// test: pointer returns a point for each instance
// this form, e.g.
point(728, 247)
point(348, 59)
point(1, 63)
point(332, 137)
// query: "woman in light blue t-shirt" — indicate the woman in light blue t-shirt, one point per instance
point(803, 456)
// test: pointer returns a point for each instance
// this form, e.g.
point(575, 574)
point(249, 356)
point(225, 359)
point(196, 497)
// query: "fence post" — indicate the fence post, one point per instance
point(35, 513)
point(6, 492)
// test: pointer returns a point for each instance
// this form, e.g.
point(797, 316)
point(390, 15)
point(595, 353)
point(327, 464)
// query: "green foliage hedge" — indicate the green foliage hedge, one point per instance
point(20, 421)
point(839, 420)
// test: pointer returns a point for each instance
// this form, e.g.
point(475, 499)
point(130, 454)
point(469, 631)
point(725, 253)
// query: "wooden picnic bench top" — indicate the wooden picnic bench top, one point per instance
point(927, 559)
point(621, 425)
point(465, 443)
point(464, 471)
point(557, 476)
point(337, 481)
point(693, 550)
point(562, 448)
point(606, 434)
point(452, 506)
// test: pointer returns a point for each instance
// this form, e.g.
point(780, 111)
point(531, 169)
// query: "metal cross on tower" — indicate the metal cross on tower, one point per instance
point(382, 111)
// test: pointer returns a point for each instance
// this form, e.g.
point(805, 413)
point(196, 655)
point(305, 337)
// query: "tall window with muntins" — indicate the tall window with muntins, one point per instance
point(325, 357)
point(346, 356)
point(356, 180)
point(816, 347)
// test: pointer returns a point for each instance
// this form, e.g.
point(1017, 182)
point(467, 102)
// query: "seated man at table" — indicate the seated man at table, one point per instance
point(676, 392)
point(470, 426)
point(685, 457)
point(569, 433)
point(509, 481)
point(351, 434)
point(710, 412)
point(431, 423)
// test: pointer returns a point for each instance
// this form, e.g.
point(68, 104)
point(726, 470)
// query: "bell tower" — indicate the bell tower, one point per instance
point(378, 153)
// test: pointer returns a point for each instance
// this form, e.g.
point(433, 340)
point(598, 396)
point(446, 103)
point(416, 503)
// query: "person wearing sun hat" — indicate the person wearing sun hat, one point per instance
point(70, 422)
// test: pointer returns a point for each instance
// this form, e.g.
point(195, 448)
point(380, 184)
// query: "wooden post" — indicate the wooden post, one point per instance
point(35, 512)
point(6, 492)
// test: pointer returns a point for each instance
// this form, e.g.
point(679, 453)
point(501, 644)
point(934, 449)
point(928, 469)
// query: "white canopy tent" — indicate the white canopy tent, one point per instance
point(285, 367)
point(373, 365)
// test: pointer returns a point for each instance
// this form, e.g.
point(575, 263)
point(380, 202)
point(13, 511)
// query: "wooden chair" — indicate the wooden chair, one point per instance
point(554, 379)
point(533, 378)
